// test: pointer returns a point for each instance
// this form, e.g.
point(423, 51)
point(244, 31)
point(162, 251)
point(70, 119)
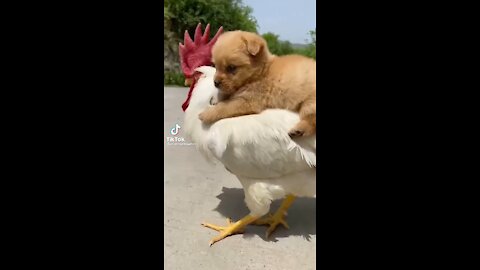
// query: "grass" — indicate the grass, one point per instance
point(173, 78)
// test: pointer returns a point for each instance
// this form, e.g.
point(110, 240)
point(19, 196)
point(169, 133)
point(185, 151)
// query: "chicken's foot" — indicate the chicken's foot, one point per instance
point(231, 228)
point(278, 217)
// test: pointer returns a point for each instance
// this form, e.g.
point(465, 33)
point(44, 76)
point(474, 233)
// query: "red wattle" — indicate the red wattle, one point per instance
point(187, 102)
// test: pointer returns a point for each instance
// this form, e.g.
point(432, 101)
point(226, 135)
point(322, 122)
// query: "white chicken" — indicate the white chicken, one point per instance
point(255, 148)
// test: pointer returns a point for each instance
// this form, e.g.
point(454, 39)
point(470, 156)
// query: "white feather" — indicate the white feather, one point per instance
point(256, 148)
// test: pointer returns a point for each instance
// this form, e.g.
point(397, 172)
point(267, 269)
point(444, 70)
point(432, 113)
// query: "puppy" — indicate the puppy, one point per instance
point(251, 79)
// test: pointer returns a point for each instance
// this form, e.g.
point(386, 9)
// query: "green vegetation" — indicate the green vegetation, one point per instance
point(186, 14)
point(173, 78)
point(279, 47)
point(311, 49)
point(181, 15)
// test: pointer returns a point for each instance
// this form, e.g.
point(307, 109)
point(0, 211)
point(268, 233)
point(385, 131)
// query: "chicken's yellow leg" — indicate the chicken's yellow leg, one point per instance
point(232, 228)
point(278, 217)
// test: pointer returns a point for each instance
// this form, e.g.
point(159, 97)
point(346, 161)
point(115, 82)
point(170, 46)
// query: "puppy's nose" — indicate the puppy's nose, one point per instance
point(217, 83)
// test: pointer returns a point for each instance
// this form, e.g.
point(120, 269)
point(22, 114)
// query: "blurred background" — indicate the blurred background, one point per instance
point(196, 191)
point(288, 26)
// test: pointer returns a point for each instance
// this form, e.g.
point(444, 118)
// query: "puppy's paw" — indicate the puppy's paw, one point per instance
point(295, 133)
point(303, 128)
point(208, 116)
point(214, 100)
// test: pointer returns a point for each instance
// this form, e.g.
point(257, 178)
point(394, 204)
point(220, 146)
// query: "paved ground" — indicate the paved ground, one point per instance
point(196, 191)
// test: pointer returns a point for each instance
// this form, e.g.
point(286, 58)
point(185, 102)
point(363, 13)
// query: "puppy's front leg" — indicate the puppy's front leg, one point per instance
point(227, 109)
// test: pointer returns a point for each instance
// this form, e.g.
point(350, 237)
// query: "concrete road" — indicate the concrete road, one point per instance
point(196, 192)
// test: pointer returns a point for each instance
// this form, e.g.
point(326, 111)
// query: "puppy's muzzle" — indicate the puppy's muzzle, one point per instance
point(217, 83)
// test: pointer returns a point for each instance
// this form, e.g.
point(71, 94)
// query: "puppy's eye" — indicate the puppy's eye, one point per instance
point(231, 69)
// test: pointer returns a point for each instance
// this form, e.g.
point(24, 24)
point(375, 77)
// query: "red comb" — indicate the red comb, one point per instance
point(197, 52)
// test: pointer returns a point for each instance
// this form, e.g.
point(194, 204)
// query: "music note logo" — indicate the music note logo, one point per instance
point(174, 131)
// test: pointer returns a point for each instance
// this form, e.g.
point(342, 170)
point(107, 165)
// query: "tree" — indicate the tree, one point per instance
point(286, 47)
point(313, 36)
point(311, 49)
point(231, 14)
point(277, 46)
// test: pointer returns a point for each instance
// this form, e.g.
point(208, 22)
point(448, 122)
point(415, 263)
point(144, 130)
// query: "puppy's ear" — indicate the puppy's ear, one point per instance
point(254, 44)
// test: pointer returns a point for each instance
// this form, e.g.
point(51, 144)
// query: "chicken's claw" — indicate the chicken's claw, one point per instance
point(230, 229)
point(273, 221)
point(277, 218)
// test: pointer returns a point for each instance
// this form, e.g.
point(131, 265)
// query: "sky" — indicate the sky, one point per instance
point(289, 19)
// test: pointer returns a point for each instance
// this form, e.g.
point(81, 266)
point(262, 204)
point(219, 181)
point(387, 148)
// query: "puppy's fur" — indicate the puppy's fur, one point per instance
point(252, 80)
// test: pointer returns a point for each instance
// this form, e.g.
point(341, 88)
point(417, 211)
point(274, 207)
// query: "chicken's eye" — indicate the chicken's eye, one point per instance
point(231, 69)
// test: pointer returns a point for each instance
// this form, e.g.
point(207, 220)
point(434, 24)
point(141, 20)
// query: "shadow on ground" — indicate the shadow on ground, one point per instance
point(301, 215)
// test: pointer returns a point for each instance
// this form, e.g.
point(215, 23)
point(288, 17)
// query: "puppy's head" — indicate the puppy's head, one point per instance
point(239, 57)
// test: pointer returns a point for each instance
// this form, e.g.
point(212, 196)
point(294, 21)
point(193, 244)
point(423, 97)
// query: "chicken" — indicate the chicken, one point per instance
point(255, 148)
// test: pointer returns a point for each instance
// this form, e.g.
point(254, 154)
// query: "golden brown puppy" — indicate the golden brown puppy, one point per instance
point(253, 80)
